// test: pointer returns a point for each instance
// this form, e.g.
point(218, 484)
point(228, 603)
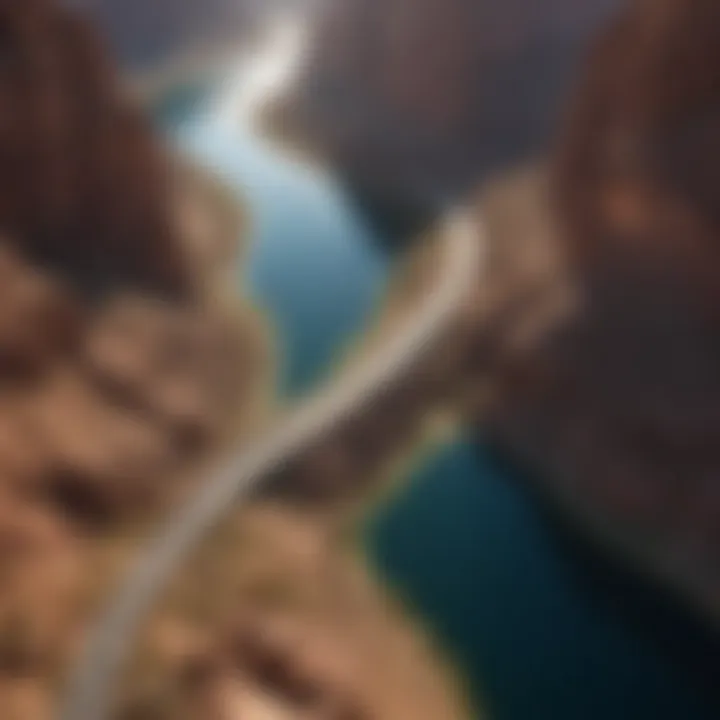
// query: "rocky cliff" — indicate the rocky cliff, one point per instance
point(419, 99)
point(85, 185)
point(616, 410)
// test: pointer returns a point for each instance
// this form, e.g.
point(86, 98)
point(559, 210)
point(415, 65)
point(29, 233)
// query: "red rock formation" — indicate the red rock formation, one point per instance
point(84, 184)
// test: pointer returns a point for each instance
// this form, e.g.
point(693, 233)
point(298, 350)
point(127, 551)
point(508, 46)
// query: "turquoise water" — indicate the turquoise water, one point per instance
point(541, 634)
point(314, 265)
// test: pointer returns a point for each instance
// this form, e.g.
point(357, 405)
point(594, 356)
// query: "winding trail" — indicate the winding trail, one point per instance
point(91, 687)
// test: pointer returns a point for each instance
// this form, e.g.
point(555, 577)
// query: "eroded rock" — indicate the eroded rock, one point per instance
point(84, 183)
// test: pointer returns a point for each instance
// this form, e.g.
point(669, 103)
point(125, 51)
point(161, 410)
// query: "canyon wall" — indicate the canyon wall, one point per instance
point(418, 99)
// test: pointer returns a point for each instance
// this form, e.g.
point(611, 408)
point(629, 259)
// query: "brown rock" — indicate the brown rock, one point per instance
point(325, 472)
point(38, 560)
point(102, 459)
point(638, 173)
point(23, 459)
point(25, 699)
point(39, 318)
point(415, 100)
point(84, 184)
point(183, 368)
point(616, 408)
point(284, 669)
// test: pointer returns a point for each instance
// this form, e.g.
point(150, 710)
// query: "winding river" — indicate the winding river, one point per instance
point(540, 632)
point(314, 266)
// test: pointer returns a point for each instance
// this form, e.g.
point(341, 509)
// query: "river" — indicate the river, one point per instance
point(540, 632)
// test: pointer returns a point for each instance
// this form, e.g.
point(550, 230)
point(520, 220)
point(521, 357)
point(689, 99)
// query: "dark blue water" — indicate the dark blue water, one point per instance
point(542, 633)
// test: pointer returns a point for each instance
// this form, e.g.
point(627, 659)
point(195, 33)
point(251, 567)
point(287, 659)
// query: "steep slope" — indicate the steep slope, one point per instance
point(418, 100)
